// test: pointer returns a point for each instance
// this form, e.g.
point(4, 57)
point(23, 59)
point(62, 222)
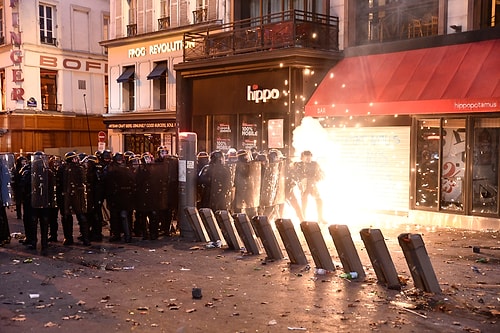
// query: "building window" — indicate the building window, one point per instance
point(164, 20)
point(484, 13)
point(46, 18)
point(82, 84)
point(159, 77)
point(390, 20)
point(132, 18)
point(2, 28)
point(455, 173)
point(105, 31)
point(485, 182)
point(127, 79)
point(48, 90)
point(201, 12)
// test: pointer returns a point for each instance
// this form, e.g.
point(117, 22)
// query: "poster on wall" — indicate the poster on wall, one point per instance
point(275, 133)
point(223, 136)
point(249, 134)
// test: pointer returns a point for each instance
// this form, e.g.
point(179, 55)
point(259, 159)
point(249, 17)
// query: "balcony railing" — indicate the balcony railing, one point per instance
point(291, 29)
point(51, 107)
point(48, 40)
point(131, 30)
point(163, 23)
point(200, 15)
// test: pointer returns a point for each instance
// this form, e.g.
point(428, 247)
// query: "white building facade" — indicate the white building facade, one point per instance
point(146, 42)
point(53, 72)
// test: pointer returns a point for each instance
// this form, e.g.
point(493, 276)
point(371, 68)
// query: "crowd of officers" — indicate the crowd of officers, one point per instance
point(138, 194)
point(135, 194)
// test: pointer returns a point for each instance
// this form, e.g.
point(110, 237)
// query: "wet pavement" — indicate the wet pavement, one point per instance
point(147, 286)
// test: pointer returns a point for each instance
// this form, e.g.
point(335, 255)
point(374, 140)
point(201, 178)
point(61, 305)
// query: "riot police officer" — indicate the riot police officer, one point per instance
point(43, 197)
point(119, 194)
point(75, 199)
point(56, 204)
point(169, 182)
point(215, 182)
point(95, 197)
point(247, 181)
point(5, 195)
point(18, 188)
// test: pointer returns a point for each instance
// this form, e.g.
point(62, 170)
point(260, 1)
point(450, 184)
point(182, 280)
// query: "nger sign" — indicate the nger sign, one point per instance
point(257, 95)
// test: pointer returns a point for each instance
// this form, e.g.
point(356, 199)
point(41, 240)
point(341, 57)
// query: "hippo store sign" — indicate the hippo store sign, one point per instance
point(259, 95)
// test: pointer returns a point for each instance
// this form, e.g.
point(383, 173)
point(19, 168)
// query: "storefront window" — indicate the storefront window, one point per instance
point(427, 163)
point(485, 166)
point(453, 164)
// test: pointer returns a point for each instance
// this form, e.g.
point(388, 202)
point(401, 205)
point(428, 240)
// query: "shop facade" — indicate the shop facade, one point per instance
point(244, 84)
point(54, 91)
point(423, 125)
point(142, 99)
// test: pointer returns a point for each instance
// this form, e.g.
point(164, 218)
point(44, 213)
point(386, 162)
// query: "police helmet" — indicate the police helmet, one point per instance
point(146, 157)
point(216, 157)
point(128, 154)
point(69, 156)
point(81, 156)
point(106, 155)
point(161, 150)
point(243, 155)
point(118, 157)
point(91, 159)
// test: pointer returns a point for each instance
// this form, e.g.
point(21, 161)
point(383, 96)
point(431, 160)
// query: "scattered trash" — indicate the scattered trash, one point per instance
point(320, 271)
point(20, 317)
point(349, 276)
point(213, 245)
point(196, 293)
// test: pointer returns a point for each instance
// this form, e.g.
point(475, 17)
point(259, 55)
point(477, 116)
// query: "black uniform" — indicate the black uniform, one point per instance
point(75, 199)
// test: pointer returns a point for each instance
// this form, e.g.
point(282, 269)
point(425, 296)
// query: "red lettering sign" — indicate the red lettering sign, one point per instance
point(16, 56)
point(17, 94)
point(17, 75)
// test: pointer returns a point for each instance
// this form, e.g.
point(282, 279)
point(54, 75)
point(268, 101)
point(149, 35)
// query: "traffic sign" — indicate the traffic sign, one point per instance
point(101, 136)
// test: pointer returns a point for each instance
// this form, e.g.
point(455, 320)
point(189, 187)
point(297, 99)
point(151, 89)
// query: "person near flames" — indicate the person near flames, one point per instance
point(309, 173)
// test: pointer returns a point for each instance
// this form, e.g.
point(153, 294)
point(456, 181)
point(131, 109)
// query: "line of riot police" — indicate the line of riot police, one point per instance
point(138, 194)
point(257, 183)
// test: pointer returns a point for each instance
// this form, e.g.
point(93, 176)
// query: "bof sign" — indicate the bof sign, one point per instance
point(101, 136)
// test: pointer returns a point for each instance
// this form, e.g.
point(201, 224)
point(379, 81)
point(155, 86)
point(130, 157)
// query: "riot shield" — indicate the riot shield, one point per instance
point(159, 184)
point(219, 187)
point(270, 183)
point(74, 189)
point(121, 182)
point(6, 167)
point(247, 182)
point(39, 181)
point(149, 187)
point(172, 182)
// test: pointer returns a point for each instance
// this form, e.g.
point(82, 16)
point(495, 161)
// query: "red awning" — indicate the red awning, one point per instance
point(446, 79)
